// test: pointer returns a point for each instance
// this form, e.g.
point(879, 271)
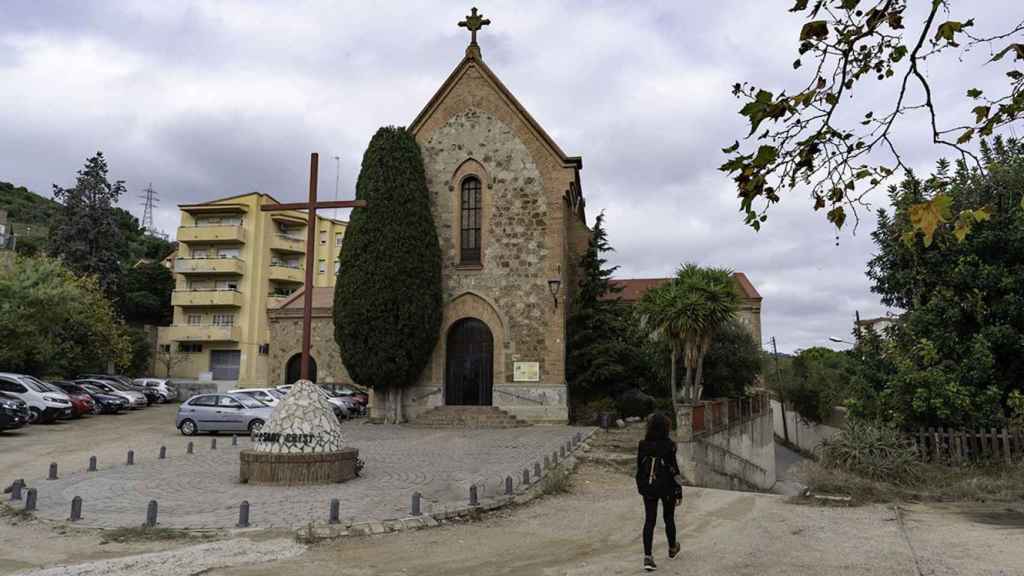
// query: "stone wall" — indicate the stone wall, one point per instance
point(734, 455)
point(286, 341)
point(804, 434)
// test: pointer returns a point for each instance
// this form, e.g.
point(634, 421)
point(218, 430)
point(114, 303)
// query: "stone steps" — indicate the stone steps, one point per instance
point(468, 417)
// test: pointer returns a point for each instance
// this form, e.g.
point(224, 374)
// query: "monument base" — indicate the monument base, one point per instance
point(310, 468)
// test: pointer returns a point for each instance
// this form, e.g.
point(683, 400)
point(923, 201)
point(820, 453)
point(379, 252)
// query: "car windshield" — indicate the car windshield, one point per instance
point(248, 401)
point(91, 389)
point(276, 393)
point(34, 384)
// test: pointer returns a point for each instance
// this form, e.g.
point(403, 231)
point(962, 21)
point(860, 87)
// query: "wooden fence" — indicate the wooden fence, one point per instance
point(712, 415)
point(961, 446)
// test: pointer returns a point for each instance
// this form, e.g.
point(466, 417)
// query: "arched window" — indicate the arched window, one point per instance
point(471, 216)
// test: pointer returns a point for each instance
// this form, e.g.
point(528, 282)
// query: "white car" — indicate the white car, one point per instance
point(342, 406)
point(135, 399)
point(44, 403)
point(167, 390)
point(268, 396)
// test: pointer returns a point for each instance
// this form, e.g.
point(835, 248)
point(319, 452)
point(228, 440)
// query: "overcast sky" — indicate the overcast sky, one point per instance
point(210, 99)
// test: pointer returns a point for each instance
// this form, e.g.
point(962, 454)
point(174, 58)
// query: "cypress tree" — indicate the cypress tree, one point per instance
point(387, 298)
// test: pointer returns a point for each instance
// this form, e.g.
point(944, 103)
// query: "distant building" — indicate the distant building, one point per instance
point(233, 262)
point(6, 234)
point(878, 325)
point(633, 289)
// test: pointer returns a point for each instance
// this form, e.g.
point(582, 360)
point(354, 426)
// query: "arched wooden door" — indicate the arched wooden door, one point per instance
point(293, 369)
point(469, 366)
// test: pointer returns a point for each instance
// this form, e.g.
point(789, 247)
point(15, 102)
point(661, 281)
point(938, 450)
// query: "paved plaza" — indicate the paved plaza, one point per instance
point(201, 490)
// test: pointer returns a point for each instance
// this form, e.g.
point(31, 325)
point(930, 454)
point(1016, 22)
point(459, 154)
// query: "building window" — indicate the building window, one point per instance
point(337, 266)
point(165, 348)
point(224, 319)
point(323, 265)
point(195, 319)
point(264, 349)
point(323, 237)
point(470, 226)
point(189, 347)
point(337, 240)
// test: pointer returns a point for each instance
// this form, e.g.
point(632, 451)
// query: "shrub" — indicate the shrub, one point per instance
point(587, 413)
point(873, 451)
point(635, 403)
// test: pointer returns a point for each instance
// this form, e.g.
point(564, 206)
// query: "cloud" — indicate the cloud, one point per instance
point(208, 99)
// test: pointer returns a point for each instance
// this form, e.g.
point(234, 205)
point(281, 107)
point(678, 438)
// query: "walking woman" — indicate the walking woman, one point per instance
point(658, 480)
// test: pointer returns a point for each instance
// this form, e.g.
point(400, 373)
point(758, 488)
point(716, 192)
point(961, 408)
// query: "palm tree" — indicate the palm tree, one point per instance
point(687, 311)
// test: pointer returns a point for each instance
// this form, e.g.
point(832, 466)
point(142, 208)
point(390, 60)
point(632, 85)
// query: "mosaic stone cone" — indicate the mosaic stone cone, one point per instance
point(301, 443)
point(301, 423)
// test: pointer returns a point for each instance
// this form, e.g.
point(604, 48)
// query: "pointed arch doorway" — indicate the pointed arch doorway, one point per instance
point(293, 369)
point(469, 364)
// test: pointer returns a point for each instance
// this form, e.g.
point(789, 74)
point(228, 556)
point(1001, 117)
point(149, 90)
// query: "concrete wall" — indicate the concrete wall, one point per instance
point(737, 456)
point(806, 435)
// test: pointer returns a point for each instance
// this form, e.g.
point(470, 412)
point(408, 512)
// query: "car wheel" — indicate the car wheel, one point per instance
point(34, 415)
point(188, 428)
point(255, 426)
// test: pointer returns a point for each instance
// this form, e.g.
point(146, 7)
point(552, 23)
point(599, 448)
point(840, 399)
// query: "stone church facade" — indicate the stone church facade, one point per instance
point(510, 220)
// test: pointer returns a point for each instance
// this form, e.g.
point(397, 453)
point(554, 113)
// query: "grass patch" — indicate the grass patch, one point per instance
point(146, 534)
point(557, 481)
point(934, 483)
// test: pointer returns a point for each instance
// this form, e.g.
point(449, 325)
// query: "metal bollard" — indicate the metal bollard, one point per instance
point(508, 485)
point(473, 499)
point(151, 513)
point(526, 476)
point(190, 448)
point(243, 514)
point(213, 444)
point(234, 439)
point(92, 464)
point(416, 497)
point(536, 470)
point(547, 462)
point(53, 471)
point(131, 457)
point(335, 514)
point(30, 500)
point(554, 458)
point(561, 452)
point(16, 489)
point(76, 509)
point(163, 452)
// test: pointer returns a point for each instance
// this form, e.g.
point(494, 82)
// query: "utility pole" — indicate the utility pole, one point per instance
point(149, 200)
point(782, 395)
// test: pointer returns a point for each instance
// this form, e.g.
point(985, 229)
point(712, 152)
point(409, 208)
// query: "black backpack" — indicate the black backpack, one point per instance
point(654, 478)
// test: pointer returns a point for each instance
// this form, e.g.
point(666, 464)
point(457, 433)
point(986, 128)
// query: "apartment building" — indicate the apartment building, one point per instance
point(235, 261)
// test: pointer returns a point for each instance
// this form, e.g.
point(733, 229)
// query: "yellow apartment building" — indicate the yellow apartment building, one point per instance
point(235, 261)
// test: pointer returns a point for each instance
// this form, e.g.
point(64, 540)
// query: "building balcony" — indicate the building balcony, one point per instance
point(209, 266)
point(207, 298)
point(288, 243)
point(275, 300)
point(212, 234)
point(287, 273)
point(202, 333)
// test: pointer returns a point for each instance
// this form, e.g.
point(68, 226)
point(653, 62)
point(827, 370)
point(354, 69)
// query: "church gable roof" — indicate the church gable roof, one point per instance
point(473, 61)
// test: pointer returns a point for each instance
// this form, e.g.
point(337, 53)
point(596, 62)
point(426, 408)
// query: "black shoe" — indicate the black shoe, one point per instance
point(673, 550)
point(649, 564)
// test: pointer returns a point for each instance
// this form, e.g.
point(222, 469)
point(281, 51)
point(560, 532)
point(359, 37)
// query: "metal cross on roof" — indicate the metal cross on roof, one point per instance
point(474, 22)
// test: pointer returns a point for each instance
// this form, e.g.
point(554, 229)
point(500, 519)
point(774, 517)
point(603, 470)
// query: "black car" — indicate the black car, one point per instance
point(13, 412)
point(104, 403)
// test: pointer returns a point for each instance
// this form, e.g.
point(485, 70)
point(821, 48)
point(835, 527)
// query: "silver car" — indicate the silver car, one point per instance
point(135, 399)
point(167, 390)
point(221, 413)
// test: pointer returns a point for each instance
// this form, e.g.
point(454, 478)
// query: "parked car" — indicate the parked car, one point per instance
point(125, 384)
point(341, 406)
point(106, 403)
point(221, 413)
point(163, 387)
point(135, 399)
point(13, 412)
point(268, 396)
point(81, 402)
point(358, 395)
point(44, 404)
point(352, 406)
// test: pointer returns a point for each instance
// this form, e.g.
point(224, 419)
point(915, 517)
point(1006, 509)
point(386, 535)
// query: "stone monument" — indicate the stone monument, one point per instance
point(301, 443)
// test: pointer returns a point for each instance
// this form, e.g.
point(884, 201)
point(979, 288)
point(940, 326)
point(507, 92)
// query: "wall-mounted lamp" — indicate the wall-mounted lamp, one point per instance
point(554, 286)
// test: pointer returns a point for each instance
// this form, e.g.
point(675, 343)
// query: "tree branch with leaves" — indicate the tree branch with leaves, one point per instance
point(803, 141)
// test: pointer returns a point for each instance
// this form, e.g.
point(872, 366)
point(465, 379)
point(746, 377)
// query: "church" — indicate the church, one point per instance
point(509, 211)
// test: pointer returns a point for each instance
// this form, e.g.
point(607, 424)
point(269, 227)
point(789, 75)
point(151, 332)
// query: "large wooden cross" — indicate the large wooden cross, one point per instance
point(311, 226)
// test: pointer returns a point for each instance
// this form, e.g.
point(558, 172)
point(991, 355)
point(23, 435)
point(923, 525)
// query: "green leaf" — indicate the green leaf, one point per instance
point(849, 4)
point(796, 64)
point(974, 93)
point(982, 214)
point(927, 216)
point(1018, 50)
point(765, 156)
point(966, 136)
point(837, 216)
point(800, 5)
point(947, 30)
point(735, 146)
point(898, 53)
point(980, 113)
point(814, 30)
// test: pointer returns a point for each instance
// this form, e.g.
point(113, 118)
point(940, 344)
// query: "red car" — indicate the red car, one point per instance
point(81, 401)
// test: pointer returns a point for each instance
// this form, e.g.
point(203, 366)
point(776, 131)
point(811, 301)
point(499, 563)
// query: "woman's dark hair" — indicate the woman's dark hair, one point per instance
point(658, 427)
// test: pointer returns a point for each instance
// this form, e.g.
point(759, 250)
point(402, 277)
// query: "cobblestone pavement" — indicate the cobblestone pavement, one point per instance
point(202, 490)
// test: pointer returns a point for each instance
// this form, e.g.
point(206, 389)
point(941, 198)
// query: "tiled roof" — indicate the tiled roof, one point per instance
point(633, 289)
